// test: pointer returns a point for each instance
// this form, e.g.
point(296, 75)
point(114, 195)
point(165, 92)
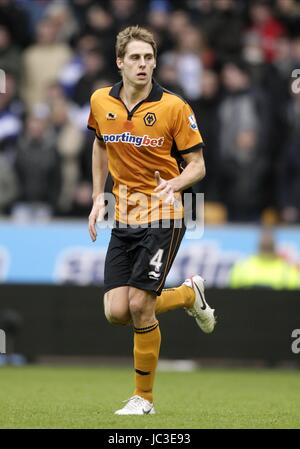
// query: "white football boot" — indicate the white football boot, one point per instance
point(200, 310)
point(136, 405)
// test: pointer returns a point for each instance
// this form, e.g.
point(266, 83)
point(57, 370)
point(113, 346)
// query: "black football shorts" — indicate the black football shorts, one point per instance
point(142, 257)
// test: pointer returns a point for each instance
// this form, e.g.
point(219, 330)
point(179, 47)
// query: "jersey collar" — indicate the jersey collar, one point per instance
point(155, 93)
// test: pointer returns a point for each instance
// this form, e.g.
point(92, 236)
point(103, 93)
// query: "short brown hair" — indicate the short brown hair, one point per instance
point(134, 33)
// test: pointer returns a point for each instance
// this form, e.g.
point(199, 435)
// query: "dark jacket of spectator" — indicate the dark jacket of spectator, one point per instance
point(37, 164)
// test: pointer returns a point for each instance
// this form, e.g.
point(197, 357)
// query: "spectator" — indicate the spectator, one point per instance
point(206, 112)
point(277, 84)
point(179, 20)
point(265, 269)
point(9, 53)
point(186, 59)
point(62, 17)
point(80, 9)
point(126, 12)
point(94, 69)
point(189, 64)
point(225, 29)
point(157, 22)
point(15, 17)
point(266, 26)
point(288, 12)
point(69, 142)
point(241, 146)
point(37, 165)
point(74, 69)
point(99, 22)
point(167, 74)
point(42, 63)
point(289, 185)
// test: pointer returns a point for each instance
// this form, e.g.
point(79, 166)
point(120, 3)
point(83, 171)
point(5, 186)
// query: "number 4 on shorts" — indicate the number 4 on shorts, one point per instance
point(156, 260)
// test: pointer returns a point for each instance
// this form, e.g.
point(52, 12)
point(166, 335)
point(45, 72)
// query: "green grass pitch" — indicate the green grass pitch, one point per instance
point(86, 397)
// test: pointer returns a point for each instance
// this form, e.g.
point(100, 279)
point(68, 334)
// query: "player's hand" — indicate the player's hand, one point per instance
point(97, 214)
point(164, 189)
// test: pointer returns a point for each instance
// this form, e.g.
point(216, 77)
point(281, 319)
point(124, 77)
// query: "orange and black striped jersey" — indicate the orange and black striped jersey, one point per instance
point(152, 136)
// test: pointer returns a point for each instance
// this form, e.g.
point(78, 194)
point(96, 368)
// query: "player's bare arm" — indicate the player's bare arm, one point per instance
point(99, 171)
point(193, 172)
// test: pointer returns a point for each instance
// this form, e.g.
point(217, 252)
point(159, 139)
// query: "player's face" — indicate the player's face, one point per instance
point(138, 63)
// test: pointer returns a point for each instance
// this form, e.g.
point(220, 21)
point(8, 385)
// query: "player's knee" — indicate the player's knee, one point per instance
point(137, 303)
point(136, 306)
point(115, 315)
point(141, 305)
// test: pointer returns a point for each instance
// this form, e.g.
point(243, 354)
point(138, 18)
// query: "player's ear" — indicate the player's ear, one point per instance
point(119, 63)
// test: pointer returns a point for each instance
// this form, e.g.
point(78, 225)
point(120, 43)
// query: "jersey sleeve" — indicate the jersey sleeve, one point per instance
point(92, 123)
point(186, 133)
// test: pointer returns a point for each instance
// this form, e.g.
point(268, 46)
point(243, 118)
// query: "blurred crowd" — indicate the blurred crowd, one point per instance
point(235, 62)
